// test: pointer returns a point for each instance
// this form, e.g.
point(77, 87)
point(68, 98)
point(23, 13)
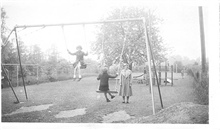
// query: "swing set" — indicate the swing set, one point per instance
point(147, 41)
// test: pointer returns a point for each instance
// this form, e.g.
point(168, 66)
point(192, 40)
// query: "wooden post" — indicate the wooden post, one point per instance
point(159, 74)
point(165, 74)
point(202, 37)
point(37, 75)
point(171, 75)
point(176, 68)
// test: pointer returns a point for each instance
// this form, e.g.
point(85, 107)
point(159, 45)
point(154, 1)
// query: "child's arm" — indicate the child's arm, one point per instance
point(113, 76)
point(71, 52)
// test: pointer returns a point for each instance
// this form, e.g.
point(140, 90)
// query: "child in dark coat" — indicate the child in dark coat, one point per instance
point(104, 85)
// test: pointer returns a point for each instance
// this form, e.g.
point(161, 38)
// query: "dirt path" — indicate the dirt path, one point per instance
point(71, 96)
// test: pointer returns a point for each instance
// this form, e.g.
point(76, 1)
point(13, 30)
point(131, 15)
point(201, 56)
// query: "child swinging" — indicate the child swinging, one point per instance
point(79, 63)
point(104, 85)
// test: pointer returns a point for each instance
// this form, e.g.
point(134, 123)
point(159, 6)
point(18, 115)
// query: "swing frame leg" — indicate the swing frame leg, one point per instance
point(10, 84)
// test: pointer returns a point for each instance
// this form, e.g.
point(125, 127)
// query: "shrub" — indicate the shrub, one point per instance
point(202, 90)
point(201, 85)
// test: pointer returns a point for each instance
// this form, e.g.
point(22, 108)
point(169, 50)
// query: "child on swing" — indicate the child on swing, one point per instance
point(79, 59)
point(104, 85)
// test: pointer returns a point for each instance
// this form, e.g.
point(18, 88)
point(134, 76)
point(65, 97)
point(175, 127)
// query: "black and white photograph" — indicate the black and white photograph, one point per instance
point(95, 64)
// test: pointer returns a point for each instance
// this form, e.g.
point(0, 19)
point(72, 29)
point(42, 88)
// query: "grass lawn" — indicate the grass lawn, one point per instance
point(70, 95)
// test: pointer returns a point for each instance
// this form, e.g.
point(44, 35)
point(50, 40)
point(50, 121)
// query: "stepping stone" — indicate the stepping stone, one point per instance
point(30, 109)
point(71, 113)
point(116, 116)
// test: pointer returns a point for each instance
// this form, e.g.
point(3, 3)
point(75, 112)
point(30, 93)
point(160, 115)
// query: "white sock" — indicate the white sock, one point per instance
point(74, 76)
point(80, 76)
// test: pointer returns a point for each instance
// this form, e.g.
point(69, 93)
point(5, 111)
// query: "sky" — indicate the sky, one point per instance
point(179, 29)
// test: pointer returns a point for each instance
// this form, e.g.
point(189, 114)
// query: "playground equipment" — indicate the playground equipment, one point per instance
point(147, 41)
point(166, 79)
point(144, 77)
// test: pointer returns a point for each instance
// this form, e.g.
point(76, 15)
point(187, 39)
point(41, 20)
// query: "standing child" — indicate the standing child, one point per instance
point(125, 83)
point(79, 63)
point(104, 85)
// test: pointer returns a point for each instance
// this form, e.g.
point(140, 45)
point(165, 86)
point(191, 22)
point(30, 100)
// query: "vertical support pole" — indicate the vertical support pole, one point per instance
point(149, 64)
point(165, 74)
point(202, 37)
point(153, 76)
point(171, 75)
point(154, 67)
point(176, 68)
point(16, 37)
point(9, 83)
point(17, 77)
point(37, 75)
point(159, 74)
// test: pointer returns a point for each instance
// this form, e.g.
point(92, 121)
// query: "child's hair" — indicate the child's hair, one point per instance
point(104, 70)
point(79, 47)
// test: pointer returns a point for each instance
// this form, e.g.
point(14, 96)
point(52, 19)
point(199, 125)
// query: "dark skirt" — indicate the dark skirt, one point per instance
point(82, 64)
point(104, 88)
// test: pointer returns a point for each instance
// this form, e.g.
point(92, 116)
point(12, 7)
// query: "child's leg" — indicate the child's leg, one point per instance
point(111, 95)
point(79, 72)
point(123, 97)
point(105, 94)
point(127, 99)
point(74, 72)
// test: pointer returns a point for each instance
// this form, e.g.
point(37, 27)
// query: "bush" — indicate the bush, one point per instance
point(202, 90)
point(201, 83)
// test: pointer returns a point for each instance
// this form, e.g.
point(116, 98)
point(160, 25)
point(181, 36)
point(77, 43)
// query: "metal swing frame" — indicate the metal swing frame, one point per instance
point(147, 41)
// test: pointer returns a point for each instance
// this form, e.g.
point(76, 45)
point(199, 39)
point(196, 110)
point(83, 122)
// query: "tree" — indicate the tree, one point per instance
point(112, 37)
point(52, 63)
point(3, 25)
point(179, 66)
point(8, 52)
point(35, 55)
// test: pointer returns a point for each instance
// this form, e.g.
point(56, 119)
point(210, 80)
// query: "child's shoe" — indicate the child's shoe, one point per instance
point(108, 100)
point(112, 97)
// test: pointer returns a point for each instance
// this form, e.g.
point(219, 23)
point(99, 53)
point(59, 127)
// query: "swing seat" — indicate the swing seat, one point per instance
point(98, 91)
point(83, 66)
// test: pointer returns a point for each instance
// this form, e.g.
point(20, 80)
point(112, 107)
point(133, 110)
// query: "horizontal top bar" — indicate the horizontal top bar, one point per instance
point(82, 23)
point(26, 64)
point(19, 64)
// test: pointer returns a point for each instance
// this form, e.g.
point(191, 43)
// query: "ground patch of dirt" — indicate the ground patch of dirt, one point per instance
point(180, 113)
